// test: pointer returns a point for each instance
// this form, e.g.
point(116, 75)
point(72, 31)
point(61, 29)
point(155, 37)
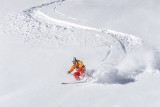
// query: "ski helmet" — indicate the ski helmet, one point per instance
point(74, 60)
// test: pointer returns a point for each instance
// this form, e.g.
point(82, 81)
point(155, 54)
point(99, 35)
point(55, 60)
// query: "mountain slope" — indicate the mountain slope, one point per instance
point(36, 53)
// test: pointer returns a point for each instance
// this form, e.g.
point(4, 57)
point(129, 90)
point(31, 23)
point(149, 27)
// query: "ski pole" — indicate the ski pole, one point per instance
point(89, 75)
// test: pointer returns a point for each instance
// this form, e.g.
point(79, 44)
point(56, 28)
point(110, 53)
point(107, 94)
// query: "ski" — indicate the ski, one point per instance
point(74, 82)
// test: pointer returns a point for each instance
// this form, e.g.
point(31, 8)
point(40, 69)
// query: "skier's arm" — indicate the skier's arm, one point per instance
point(72, 68)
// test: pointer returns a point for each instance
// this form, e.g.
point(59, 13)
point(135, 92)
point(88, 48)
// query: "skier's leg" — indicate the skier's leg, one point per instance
point(82, 73)
point(76, 75)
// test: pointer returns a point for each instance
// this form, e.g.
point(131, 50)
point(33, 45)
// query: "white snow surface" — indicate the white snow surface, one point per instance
point(36, 50)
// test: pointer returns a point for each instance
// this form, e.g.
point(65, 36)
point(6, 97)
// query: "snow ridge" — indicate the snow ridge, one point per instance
point(70, 17)
point(128, 42)
point(42, 16)
point(30, 29)
point(32, 9)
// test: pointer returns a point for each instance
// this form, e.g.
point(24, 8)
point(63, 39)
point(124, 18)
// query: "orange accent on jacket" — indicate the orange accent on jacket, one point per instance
point(78, 65)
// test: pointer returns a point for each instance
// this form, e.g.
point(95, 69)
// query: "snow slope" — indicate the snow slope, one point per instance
point(36, 53)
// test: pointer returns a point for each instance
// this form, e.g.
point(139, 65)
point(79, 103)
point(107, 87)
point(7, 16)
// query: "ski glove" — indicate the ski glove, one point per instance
point(68, 72)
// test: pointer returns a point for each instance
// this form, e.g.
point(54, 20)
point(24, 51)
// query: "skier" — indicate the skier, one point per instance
point(80, 68)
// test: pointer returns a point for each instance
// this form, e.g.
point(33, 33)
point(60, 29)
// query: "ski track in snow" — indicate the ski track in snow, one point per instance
point(70, 17)
point(32, 9)
point(66, 23)
point(32, 25)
